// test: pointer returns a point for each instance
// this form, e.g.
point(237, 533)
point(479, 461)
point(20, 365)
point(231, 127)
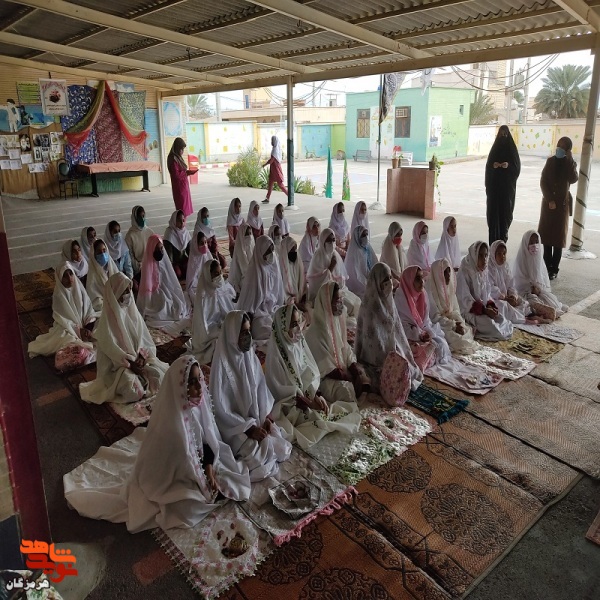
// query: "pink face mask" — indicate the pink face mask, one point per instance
point(203, 249)
point(534, 249)
point(196, 401)
point(397, 241)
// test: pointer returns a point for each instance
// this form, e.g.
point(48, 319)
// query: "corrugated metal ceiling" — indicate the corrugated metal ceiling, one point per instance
point(439, 27)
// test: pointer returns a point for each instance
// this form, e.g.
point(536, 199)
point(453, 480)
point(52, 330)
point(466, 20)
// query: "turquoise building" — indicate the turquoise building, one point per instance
point(436, 122)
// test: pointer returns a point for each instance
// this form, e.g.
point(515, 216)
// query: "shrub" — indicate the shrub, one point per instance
point(247, 170)
point(303, 186)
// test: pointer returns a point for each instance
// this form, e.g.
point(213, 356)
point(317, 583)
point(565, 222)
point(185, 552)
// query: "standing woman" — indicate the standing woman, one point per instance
point(502, 170)
point(180, 183)
point(275, 172)
point(558, 174)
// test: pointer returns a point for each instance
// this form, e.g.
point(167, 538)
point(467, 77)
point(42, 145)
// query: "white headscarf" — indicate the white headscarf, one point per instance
point(477, 281)
point(210, 310)
point(282, 222)
point(418, 251)
point(233, 219)
point(85, 245)
point(309, 243)
point(115, 249)
point(443, 295)
point(529, 269)
point(379, 330)
point(207, 230)
point(290, 367)
point(394, 256)
point(359, 262)
point(97, 277)
point(196, 262)
point(79, 268)
point(178, 238)
point(276, 151)
point(292, 273)
point(358, 219)
point(169, 488)
point(319, 273)
point(251, 219)
point(500, 275)
point(449, 247)
point(137, 237)
point(262, 289)
point(338, 223)
point(160, 297)
point(276, 240)
point(242, 255)
point(237, 383)
point(327, 336)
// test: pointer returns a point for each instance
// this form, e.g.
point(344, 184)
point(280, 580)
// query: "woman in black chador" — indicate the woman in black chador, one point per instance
point(502, 170)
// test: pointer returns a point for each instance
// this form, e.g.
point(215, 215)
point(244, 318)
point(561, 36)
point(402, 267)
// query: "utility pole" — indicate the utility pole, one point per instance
point(509, 92)
point(218, 106)
point(526, 91)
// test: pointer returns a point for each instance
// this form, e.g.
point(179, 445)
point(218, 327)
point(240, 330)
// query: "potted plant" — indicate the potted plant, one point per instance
point(396, 156)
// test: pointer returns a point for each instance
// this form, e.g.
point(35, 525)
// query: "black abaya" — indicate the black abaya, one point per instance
point(501, 185)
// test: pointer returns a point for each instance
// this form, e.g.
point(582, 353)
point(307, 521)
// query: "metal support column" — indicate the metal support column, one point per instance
point(576, 250)
point(377, 204)
point(290, 143)
point(161, 137)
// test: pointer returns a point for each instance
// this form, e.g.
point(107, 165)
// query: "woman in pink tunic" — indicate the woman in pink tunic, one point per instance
point(275, 173)
point(179, 178)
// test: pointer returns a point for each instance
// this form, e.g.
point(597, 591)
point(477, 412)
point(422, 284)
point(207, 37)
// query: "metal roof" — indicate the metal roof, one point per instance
point(207, 45)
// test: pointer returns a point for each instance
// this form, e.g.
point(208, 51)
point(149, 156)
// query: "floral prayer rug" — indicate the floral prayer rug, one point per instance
point(33, 291)
point(36, 322)
point(557, 332)
point(222, 549)
point(528, 346)
point(500, 363)
point(557, 422)
point(436, 403)
point(573, 369)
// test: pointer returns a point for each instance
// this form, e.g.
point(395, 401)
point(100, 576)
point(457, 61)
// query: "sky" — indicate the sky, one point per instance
point(539, 64)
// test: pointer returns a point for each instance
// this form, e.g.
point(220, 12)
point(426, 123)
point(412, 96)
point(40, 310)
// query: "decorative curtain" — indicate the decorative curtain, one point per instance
point(77, 134)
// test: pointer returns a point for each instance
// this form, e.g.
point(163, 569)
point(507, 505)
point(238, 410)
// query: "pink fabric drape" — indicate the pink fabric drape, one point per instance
point(149, 280)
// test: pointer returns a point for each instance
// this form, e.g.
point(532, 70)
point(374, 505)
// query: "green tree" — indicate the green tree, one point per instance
point(482, 110)
point(519, 97)
point(198, 107)
point(565, 93)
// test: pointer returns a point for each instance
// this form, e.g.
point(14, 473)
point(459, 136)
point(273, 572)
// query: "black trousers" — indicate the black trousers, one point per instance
point(552, 256)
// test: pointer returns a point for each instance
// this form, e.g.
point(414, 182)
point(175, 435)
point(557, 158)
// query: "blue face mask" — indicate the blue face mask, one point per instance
point(560, 153)
point(206, 221)
point(116, 237)
point(102, 259)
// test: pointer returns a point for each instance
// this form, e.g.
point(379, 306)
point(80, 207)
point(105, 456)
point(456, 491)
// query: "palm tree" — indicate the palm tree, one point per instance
point(482, 110)
point(565, 94)
point(198, 106)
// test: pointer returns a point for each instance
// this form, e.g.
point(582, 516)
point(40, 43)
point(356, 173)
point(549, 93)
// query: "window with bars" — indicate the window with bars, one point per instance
point(402, 122)
point(363, 123)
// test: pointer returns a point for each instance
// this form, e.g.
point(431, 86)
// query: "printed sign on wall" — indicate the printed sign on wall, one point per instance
point(55, 100)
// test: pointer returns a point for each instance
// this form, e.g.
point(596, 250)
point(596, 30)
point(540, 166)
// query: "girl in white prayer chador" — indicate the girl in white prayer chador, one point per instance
point(301, 408)
point(449, 246)
point(292, 273)
point(418, 250)
point(309, 242)
point(101, 267)
point(72, 253)
point(242, 255)
point(127, 367)
point(392, 252)
point(360, 217)
point(243, 402)
point(340, 227)
point(136, 482)
point(360, 259)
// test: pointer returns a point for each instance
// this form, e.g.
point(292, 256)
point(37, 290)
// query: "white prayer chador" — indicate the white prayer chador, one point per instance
point(80, 268)
point(96, 279)
point(135, 481)
point(449, 247)
point(529, 270)
point(253, 220)
point(358, 219)
point(284, 226)
point(196, 263)
point(394, 256)
point(160, 300)
point(116, 249)
point(308, 244)
point(234, 219)
point(292, 273)
point(85, 245)
point(262, 291)
point(122, 336)
point(242, 255)
point(242, 400)
point(359, 262)
point(212, 306)
point(137, 237)
point(413, 310)
point(327, 338)
point(339, 225)
point(474, 291)
point(444, 309)
point(319, 273)
point(178, 238)
point(207, 230)
point(503, 285)
point(291, 370)
point(71, 312)
point(277, 239)
point(379, 330)
point(418, 249)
